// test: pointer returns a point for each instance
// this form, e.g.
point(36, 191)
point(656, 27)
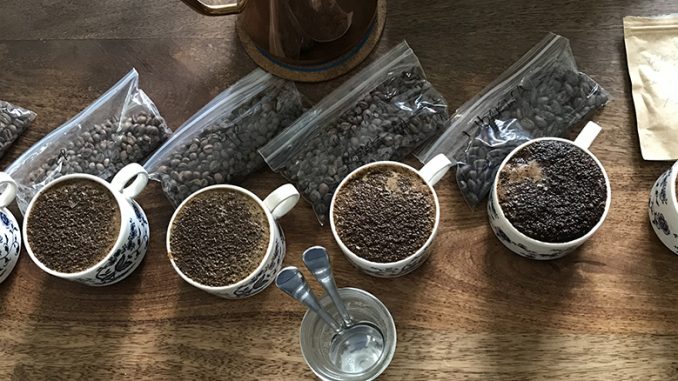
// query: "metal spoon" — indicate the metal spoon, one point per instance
point(291, 281)
point(358, 345)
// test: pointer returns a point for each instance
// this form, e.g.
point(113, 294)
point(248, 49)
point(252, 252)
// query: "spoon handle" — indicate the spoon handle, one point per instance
point(318, 263)
point(291, 281)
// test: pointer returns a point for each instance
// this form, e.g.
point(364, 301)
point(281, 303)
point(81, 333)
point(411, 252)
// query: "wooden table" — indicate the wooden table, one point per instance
point(473, 311)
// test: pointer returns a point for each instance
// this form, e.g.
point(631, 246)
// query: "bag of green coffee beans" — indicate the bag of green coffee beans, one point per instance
point(219, 143)
point(122, 126)
point(541, 94)
point(384, 112)
point(13, 122)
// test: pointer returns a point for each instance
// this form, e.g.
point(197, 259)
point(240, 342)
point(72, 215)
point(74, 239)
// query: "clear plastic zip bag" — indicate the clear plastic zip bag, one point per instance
point(14, 120)
point(541, 94)
point(384, 112)
point(219, 143)
point(479, 161)
point(122, 126)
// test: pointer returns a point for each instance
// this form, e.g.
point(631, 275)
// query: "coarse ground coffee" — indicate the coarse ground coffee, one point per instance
point(73, 225)
point(219, 237)
point(552, 191)
point(384, 213)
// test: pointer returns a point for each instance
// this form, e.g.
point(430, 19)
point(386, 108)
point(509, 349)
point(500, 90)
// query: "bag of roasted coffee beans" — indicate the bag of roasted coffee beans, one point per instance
point(541, 94)
point(122, 126)
point(13, 122)
point(219, 143)
point(384, 112)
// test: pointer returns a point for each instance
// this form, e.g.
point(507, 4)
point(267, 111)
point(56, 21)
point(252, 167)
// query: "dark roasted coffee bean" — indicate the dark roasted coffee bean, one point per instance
point(225, 151)
point(551, 102)
point(387, 123)
point(117, 147)
point(13, 122)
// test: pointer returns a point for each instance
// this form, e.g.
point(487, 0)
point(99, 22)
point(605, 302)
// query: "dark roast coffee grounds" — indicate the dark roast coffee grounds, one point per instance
point(552, 191)
point(384, 214)
point(73, 225)
point(219, 237)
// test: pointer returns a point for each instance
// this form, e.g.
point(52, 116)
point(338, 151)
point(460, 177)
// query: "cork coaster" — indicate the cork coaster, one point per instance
point(325, 71)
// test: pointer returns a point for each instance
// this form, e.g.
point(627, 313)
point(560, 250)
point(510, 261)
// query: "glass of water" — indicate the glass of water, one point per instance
point(362, 359)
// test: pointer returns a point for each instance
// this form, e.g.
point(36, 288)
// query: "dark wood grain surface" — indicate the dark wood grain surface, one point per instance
point(473, 311)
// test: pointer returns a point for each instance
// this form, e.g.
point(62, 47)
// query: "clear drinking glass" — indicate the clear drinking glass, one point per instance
point(316, 339)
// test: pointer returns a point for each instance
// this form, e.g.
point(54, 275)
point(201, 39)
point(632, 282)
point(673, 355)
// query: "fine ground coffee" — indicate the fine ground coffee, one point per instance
point(552, 191)
point(219, 237)
point(73, 225)
point(384, 213)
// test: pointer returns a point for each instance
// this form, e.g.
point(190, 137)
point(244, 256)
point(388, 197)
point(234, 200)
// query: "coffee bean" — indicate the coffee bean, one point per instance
point(387, 123)
point(549, 103)
point(225, 149)
point(117, 147)
point(13, 122)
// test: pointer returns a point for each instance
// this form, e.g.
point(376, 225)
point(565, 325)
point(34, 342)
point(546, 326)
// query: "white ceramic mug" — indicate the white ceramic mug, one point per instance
point(276, 205)
point(663, 208)
point(431, 173)
point(531, 248)
point(133, 236)
point(10, 236)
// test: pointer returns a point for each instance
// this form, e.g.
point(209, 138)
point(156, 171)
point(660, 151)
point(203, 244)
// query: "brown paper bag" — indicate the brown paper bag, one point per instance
point(652, 57)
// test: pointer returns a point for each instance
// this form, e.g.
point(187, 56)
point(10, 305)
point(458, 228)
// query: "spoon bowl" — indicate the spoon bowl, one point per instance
point(357, 348)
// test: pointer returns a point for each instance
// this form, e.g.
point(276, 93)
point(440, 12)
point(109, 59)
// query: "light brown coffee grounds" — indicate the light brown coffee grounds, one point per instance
point(384, 214)
point(219, 237)
point(73, 225)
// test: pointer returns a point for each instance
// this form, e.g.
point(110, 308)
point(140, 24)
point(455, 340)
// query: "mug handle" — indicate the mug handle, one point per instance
point(587, 135)
point(282, 200)
point(7, 196)
point(435, 169)
point(218, 9)
point(126, 174)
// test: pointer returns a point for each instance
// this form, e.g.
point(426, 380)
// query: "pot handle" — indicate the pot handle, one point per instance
point(216, 10)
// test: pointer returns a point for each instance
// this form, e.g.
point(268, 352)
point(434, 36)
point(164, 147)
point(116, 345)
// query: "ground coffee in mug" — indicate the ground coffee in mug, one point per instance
point(384, 213)
point(219, 237)
point(552, 191)
point(73, 225)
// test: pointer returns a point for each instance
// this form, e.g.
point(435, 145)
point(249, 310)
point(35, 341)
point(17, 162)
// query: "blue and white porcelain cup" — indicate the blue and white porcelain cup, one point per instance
point(663, 208)
point(531, 248)
point(430, 173)
point(10, 235)
point(133, 236)
point(275, 206)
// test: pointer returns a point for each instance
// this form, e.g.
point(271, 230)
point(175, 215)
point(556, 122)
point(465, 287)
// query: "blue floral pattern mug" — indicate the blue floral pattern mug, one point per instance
point(276, 205)
point(663, 208)
point(431, 173)
point(10, 236)
point(133, 237)
point(529, 247)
